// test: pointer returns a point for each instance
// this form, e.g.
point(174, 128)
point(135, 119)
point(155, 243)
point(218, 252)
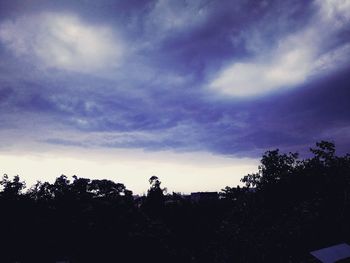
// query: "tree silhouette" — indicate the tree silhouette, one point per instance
point(155, 196)
point(11, 188)
point(285, 210)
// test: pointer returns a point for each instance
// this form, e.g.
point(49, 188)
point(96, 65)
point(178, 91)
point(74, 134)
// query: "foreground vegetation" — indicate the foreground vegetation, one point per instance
point(286, 209)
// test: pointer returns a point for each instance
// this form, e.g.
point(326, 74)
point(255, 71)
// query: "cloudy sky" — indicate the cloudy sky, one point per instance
point(191, 91)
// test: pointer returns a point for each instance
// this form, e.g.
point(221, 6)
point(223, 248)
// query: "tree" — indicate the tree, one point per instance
point(231, 193)
point(41, 191)
point(108, 189)
point(155, 195)
point(155, 188)
point(61, 188)
point(11, 189)
point(324, 152)
point(274, 168)
point(80, 188)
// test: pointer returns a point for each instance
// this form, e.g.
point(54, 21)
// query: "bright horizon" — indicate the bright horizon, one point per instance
point(179, 172)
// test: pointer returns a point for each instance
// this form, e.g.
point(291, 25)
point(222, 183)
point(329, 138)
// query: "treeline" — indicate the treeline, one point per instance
point(285, 210)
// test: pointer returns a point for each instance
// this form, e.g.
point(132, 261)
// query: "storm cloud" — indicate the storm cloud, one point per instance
point(229, 78)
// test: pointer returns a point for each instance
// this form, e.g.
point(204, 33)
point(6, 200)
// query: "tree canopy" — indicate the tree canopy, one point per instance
point(289, 207)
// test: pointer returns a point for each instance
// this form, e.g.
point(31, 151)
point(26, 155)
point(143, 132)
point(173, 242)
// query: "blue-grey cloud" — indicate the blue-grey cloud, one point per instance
point(136, 74)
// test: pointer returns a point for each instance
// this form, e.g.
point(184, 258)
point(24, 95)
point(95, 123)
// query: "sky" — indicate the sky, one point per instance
point(193, 92)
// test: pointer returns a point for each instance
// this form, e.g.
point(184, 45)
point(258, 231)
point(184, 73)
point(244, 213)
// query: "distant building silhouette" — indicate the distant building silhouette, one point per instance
point(204, 196)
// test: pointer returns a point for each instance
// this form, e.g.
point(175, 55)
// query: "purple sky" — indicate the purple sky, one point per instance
point(215, 83)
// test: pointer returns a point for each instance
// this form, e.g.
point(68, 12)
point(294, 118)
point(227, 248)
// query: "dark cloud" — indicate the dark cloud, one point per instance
point(157, 98)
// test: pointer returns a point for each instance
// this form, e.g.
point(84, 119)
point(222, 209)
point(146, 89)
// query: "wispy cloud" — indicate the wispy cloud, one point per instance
point(294, 59)
point(62, 41)
point(169, 17)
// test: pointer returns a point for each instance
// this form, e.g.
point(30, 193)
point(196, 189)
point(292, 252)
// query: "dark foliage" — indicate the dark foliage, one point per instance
point(286, 209)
